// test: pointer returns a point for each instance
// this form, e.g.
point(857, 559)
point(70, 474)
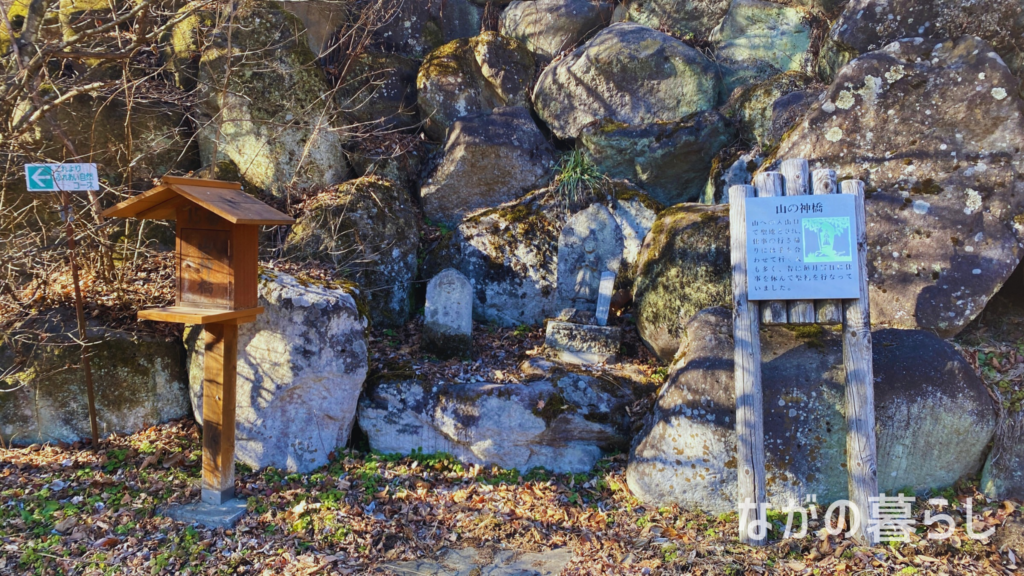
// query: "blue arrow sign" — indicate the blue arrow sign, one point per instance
point(58, 177)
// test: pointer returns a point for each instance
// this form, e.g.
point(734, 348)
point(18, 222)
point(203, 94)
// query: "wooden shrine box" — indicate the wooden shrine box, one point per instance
point(217, 228)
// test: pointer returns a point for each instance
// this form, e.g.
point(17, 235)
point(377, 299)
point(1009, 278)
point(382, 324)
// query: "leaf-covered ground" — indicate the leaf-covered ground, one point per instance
point(68, 510)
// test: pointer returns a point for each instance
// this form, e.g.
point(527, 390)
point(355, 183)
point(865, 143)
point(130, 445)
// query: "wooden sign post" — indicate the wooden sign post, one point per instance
point(216, 269)
point(793, 261)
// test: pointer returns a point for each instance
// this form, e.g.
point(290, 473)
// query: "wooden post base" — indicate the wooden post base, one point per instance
point(219, 373)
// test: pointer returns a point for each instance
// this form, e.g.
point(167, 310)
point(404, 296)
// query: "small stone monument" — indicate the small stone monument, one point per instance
point(582, 336)
point(590, 244)
point(448, 326)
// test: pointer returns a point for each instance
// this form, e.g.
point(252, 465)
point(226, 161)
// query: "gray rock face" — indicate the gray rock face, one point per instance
point(628, 74)
point(759, 39)
point(684, 267)
point(583, 344)
point(562, 423)
point(867, 25)
point(369, 228)
point(272, 121)
point(589, 244)
point(510, 254)
point(669, 160)
point(419, 26)
point(472, 75)
point(547, 27)
point(934, 418)
point(139, 381)
point(945, 194)
point(380, 91)
point(301, 367)
point(322, 19)
point(1003, 475)
point(448, 322)
point(764, 112)
point(693, 19)
point(489, 159)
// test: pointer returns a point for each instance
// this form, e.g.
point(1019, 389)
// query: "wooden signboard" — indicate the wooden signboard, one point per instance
point(216, 265)
point(812, 277)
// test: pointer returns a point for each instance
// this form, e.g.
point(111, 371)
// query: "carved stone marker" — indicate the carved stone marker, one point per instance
point(590, 244)
point(583, 344)
point(448, 327)
point(604, 297)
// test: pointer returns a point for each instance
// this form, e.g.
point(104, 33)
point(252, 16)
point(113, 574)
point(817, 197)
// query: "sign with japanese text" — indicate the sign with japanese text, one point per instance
point(802, 248)
point(61, 177)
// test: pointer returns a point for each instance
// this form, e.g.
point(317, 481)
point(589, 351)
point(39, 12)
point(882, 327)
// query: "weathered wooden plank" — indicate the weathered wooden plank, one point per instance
point(190, 315)
point(219, 373)
point(796, 174)
point(770, 184)
point(747, 372)
point(860, 385)
point(826, 311)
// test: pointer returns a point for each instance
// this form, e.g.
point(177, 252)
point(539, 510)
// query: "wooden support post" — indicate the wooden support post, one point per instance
point(827, 311)
point(220, 366)
point(860, 385)
point(797, 177)
point(769, 184)
point(747, 373)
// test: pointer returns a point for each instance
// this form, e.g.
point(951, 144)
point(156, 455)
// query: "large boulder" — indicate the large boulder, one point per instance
point(367, 228)
point(139, 381)
point(489, 159)
point(669, 160)
point(945, 193)
point(764, 112)
point(472, 75)
point(564, 423)
point(263, 106)
point(934, 417)
point(684, 267)
point(760, 39)
point(413, 28)
point(548, 27)
point(688, 19)
point(144, 141)
point(510, 254)
point(301, 367)
point(867, 25)
point(379, 91)
point(627, 74)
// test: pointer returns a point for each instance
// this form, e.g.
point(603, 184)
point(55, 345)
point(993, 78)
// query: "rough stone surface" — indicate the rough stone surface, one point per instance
point(547, 27)
point(419, 26)
point(934, 418)
point(563, 423)
point(934, 131)
point(223, 516)
point(684, 267)
point(760, 39)
point(139, 381)
point(669, 160)
point(589, 244)
point(448, 315)
point(380, 91)
point(629, 74)
point(764, 112)
point(730, 168)
point(472, 75)
point(583, 344)
point(301, 366)
point(273, 121)
point(510, 254)
point(489, 159)
point(1003, 475)
point(322, 20)
point(367, 228)
point(867, 25)
point(476, 562)
point(688, 19)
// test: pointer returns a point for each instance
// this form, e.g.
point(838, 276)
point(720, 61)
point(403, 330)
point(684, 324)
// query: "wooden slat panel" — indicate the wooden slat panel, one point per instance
point(771, 184)
point(797, 176)
point(826, 311)
point(234, 206)
point(747, 372)
point(860, 383)
point(187, 315)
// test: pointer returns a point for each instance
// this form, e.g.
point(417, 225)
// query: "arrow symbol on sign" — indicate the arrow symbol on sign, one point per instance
point(41, 178)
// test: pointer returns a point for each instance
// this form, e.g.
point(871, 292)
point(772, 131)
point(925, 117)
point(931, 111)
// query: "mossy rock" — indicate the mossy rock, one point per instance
point(369, 229)
point(684, 267)
point(763, 112)
point(472, 75)
point(380, 91)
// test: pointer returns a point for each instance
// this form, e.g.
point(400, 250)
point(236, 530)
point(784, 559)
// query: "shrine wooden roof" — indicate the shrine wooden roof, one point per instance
point(225, 199)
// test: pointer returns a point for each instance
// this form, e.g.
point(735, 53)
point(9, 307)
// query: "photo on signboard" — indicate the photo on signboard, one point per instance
point(827, 239)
